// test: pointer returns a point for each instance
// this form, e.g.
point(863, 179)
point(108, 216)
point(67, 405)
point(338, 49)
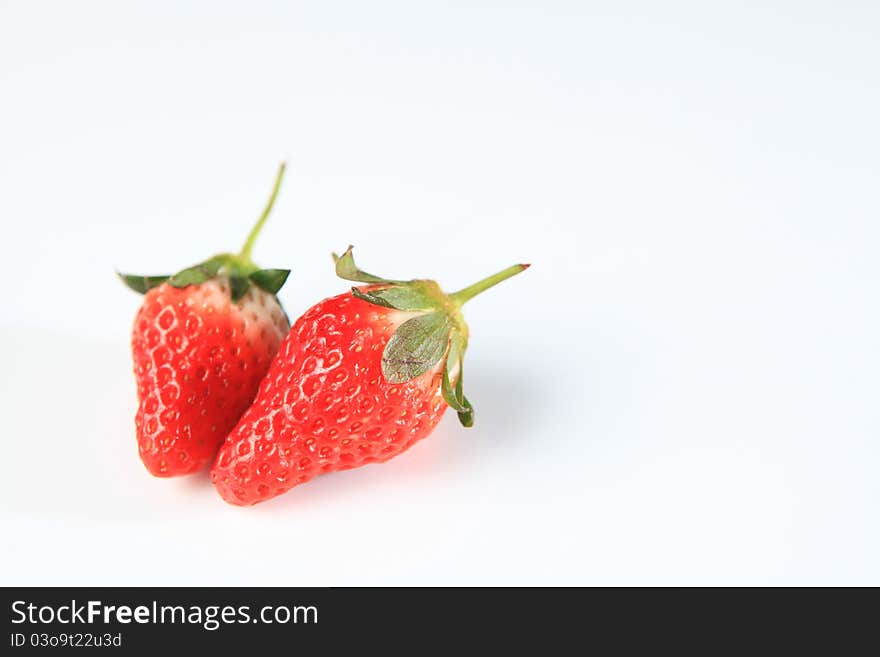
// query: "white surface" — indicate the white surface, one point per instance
point(682, 390)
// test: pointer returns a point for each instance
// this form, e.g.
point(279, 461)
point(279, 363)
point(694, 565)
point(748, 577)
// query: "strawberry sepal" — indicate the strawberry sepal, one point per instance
point(401, 296)
point(269, 280)
point(416, 347)
point(346, 269)
point(141, 284)
point(197, 274)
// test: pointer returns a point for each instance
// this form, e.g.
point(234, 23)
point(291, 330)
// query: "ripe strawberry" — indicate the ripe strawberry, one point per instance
point(359, 379)
point(202, 342)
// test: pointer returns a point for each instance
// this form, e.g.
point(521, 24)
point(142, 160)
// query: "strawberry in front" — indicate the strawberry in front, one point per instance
point(361, 377)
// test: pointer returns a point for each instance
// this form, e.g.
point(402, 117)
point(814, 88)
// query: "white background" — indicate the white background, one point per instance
point(683, 389)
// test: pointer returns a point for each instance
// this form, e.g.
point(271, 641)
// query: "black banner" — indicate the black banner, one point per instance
point(229, 619)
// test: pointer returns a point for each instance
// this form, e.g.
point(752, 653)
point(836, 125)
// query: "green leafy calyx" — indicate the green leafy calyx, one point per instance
point(416, 346)
point(237, 267)
point(436, 333)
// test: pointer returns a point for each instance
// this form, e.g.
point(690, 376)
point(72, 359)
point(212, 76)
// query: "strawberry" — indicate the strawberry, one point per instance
point(202, 341)
point(359, 379)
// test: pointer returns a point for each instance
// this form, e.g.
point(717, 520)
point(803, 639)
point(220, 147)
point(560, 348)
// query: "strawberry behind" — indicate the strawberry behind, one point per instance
point(201, 343)
point(198, 362)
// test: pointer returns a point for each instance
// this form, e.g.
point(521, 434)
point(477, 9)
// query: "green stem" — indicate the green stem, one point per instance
point(463, 296)
point(245, 253)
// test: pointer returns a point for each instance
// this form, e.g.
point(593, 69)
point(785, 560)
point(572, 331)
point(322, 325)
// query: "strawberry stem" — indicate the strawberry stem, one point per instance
point(463, 296)
point(245, 253)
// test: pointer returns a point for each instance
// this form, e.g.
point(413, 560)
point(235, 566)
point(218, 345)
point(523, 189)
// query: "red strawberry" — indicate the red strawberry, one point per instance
point(359, 379)
point(202, 342)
